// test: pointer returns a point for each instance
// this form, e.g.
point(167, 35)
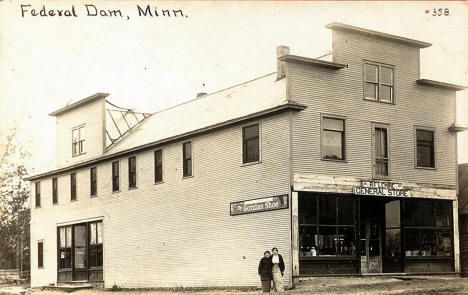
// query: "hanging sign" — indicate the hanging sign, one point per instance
point(259, 205)
point(381, 188)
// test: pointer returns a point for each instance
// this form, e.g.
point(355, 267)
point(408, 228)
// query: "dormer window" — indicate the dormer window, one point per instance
point(378, 82)
point(78, 140)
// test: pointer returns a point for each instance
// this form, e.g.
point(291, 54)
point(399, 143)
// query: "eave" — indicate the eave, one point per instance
point(457, 128)
point(394, 38)
point(288, 106)
point(439, 84)
point(311, 61)
point(79, 103)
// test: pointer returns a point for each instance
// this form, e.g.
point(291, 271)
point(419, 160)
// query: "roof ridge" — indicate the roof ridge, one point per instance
point(209, 94)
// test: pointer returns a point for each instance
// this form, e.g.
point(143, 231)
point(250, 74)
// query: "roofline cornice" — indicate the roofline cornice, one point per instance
point(395, 38)
point(278, 109)
point(79, 103)
point(311, 61)
point(439, 84)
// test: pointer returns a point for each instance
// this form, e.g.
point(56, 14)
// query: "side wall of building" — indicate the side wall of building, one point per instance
point(178, 233)
point(340, 92)
point(463, 216)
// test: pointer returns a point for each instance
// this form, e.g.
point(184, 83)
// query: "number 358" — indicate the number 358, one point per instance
point(440, 12)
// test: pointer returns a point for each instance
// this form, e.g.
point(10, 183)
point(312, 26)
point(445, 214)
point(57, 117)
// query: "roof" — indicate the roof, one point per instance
point(79, 103)
point(311, 61)
point(259, 97)
point(440, 84)
point(399, 39)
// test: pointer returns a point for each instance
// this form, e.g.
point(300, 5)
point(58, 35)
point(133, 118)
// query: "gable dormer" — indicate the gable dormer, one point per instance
point(81, 130)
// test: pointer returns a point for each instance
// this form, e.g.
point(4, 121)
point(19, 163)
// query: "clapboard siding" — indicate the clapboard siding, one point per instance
point(179, 232)
point(340, 92)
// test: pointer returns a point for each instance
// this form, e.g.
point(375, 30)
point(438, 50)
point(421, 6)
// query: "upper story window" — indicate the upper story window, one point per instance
point(73, 186)
point(250, 144)
point(425, 148)
point(187, 159)
point(78, 140)
point(333, 138)
point(54, 191)
point(132, 172)
point(158, 175)
point(40, 254)
point(378, 82)
point(93, 181)
point(115, 176)
point(381, 155)
point(38, 194)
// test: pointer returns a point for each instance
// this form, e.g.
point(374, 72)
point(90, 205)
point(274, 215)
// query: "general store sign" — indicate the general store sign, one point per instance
point(382, 189)
point(259, 205)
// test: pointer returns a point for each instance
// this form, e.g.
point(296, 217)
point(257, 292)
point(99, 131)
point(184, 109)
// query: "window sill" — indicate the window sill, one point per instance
point(74, 200)
point(186, 177)
point(40, 267)
point(251, 163)
point(93, 196)
point(77, 155)
point(116, 192)
point(132, 188)
point(55, 204)
point(381, 177)
point(159, 182)
point(37, 207)
point(335, 160)
point(376, 100)
point(425, 168)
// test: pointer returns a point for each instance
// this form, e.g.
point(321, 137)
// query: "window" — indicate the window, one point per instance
point(54, 191)
point(333, 140)
point(427, 226)
point(250, 144)
point(95, 244)
point(65, 246)
point(378, 82)
point(158, 172)
point(132, 172)
point(425, 148)
point(40, 254)
point(187, 159)
point(38, 194)
point(93, 181)
point(78, 141)
point(73, 186)
point(381, 159)
point(115, 176)
point(327, 225)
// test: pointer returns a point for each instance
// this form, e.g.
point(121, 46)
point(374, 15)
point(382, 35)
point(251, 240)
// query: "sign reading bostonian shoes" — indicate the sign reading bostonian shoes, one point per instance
point(259, 205)
point(384, 189)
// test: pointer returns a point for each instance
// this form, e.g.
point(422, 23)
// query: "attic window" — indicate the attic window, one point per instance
point(78, 140)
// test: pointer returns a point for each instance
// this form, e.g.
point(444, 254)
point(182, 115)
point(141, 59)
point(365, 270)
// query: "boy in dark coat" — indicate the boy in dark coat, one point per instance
point(264, 271)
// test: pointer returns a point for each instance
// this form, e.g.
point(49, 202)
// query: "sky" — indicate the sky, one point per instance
point(151, 63)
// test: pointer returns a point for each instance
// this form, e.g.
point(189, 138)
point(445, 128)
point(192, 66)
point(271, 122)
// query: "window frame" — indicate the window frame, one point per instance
point(114, 176)
point(161, 178)
point(379, 79)
point(343, 137)
point(37, 194)
point(184, 160)
point(81, 148)
point(243, 143)
point(73, 181)
point(54, 191)
point(134, 172)
point(434, 148)
point(374, 158)
point(40, 254)
point(93, 182)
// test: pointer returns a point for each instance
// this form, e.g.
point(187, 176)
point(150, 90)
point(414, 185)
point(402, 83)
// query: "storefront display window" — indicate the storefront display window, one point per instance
point(327, 225)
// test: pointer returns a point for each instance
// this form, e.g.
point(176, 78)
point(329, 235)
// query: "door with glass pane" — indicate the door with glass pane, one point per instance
point(80, 253)
point(371, 246)
point(392, 262)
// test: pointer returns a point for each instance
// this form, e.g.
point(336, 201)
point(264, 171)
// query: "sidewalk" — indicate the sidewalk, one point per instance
point(407, 285)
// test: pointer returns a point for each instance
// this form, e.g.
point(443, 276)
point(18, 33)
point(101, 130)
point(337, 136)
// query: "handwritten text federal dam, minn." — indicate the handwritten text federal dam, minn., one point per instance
point(92, 10)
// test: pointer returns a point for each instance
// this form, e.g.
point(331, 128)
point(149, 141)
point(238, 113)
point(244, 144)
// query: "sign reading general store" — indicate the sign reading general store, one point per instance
point(383, 189)
point(259, 205)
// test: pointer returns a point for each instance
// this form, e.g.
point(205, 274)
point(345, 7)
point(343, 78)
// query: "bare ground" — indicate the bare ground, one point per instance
point(414, 285)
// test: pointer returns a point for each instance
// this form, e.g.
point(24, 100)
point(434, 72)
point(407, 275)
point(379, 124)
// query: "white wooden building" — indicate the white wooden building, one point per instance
point(347, 165)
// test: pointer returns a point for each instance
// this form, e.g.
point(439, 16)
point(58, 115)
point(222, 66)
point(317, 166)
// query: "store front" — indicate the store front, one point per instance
point(79, 252)
point(356, 234)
